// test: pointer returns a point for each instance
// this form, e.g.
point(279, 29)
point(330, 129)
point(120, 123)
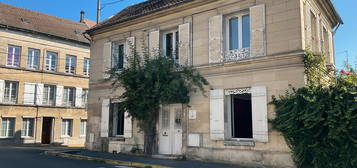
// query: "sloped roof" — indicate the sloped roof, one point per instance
point(30, 21)
point(138, 10)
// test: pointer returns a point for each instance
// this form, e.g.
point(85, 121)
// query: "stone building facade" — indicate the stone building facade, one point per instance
point(249, 50)
point(44, 75)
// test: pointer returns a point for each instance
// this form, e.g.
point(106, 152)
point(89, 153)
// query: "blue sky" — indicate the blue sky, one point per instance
point(345, 38)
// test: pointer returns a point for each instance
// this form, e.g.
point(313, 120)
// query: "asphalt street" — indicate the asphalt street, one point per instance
point(21, 157)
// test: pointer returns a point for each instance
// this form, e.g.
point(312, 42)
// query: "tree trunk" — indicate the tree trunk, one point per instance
point(150, 136)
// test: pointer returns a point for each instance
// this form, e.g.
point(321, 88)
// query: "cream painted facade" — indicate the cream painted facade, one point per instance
point(24, 108)
point(280, 32)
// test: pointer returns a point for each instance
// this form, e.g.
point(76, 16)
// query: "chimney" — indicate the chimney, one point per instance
point(81, 20)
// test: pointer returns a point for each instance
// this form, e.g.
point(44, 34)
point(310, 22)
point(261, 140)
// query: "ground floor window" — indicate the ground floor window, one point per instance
point(27, 127)
point(241, 120)
point(83, 127)
point(7, 127)
point(67, 127)
point(117, 120)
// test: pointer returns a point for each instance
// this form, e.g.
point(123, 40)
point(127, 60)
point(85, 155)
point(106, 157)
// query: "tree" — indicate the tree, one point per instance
point(150, 83)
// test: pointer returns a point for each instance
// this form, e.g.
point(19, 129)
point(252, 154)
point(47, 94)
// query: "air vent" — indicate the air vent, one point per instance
point(77, 32)
point(24, 20)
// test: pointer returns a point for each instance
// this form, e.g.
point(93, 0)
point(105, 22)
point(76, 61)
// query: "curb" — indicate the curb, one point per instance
point(101, 160)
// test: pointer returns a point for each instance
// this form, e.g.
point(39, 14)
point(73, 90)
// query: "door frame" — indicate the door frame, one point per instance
point(50, 123)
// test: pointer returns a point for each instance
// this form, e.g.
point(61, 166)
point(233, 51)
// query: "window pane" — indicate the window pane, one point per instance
point(246, 31)
point(233, 34)
point(86, 67)
point(83, 127)
point(10, 55)
point(51, 61)
point(13, 56)
point(70, 64)
point(169, 45)
point(177, 45)
point(33, 58)
point(121, 56)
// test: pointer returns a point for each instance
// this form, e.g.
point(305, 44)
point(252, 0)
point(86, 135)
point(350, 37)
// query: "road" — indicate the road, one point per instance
point(23, 157)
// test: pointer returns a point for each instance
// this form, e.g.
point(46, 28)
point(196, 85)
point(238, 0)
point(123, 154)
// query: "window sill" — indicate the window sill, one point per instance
point(27, 137)
point(117, 138)
point(6, 138)
point(236, 142)
point(66, 136)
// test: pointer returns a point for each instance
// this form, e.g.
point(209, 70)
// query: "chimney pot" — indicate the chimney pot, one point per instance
point(81, 20)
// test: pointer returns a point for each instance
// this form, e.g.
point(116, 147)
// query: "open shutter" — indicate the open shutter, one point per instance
point(217, 114)
point(257, 23)
point(59, 95)
point(107, 58)
point(154, 43)
point(30, 93)
point(260, 114)
point(2, 90)
point(79, 97)
point(216, 39)
point(128, 127)
point(39, 93)
point(184, 44)
point(130, 50)
point(104, 124)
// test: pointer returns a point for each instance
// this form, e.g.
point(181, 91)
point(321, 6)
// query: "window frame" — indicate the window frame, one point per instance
point(227, 19)
point(67, 127)
point(49, 95)
point(48, 67)
point(32, 55)
point(118, 43)
point(86, 66)
point(83, 130)
point(67, 103)
point(8, 131)
point(9, 101)
point(175, 43)
point(27, 129)
point(13, 56)
point(115, 120)
point(72, 64)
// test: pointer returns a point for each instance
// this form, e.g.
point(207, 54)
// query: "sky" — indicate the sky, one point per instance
point(345, 37)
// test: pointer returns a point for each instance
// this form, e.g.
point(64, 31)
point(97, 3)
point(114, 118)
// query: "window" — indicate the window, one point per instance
point(67, 127)
point(51, 61)
point(118, 55)
point(7, 127)
point(27, 127)
point(86, 64)
point(325, 43)
point(171, 44)
point(83, 127)
point(70, 64)
point(10, 95)
point(241, 116)
point(314, 31)
point(13, 56)
point(85, 97)
point(238, 32)
point(117, 120)
point(49, 95)
point(33, 59)
point(69, 95)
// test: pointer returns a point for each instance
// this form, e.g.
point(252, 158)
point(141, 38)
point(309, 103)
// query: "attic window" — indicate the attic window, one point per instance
point(25, 20)
point(77, 32)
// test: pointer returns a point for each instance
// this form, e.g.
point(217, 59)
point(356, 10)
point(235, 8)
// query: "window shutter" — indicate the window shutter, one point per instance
point(216, 39)
point(30, 93)
point(79, 97)
point(59, 95)
point(128, 127)
point(217, 114)
point(107, 58)
point(308, 33)
point(2, 90)
point(260, 114)
point(104, 124)
point(39, 93)
point(184, 44)
point(130, 50)
point(154, 43)
point(257, 32)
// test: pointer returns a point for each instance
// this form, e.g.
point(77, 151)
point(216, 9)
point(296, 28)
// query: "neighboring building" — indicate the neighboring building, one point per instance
point(248, 50)
point(44, 75)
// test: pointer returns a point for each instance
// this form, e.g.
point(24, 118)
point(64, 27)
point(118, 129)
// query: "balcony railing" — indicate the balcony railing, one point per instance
point(236, 55)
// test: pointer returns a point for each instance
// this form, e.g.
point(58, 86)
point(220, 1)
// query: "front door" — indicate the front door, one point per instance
point(170, 130)
point(46, 130)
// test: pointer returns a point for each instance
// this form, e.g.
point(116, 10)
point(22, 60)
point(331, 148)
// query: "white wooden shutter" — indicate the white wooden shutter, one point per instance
point(39, 93)
point(216, 39)
point(217, 114)
point(154, 43)
point(2, 90)
point(184, 44)
point(59, 95)
point(107, 58)
point(130, 50)
point(128, 127)
point(257, 23)
point(79, 97)
point(260, 113)
point(104, 124)
point(29, 93)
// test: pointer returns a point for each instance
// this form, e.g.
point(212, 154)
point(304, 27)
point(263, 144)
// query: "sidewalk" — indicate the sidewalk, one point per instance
point(136, 161)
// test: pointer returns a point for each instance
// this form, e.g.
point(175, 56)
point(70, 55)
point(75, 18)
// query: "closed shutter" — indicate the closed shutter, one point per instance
point(217, 114)
point(59, 95)
point(130, 50)
point(260, 113)
point(184, 44)
point(79, 97)
point(128, 127)
point(308, 26)
point(104, 124)
point(39, 93)
point(216, 39)
point(257, 23)
point(154, 43)
point(107, 58)
point(2, 90)
point(30, 93)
